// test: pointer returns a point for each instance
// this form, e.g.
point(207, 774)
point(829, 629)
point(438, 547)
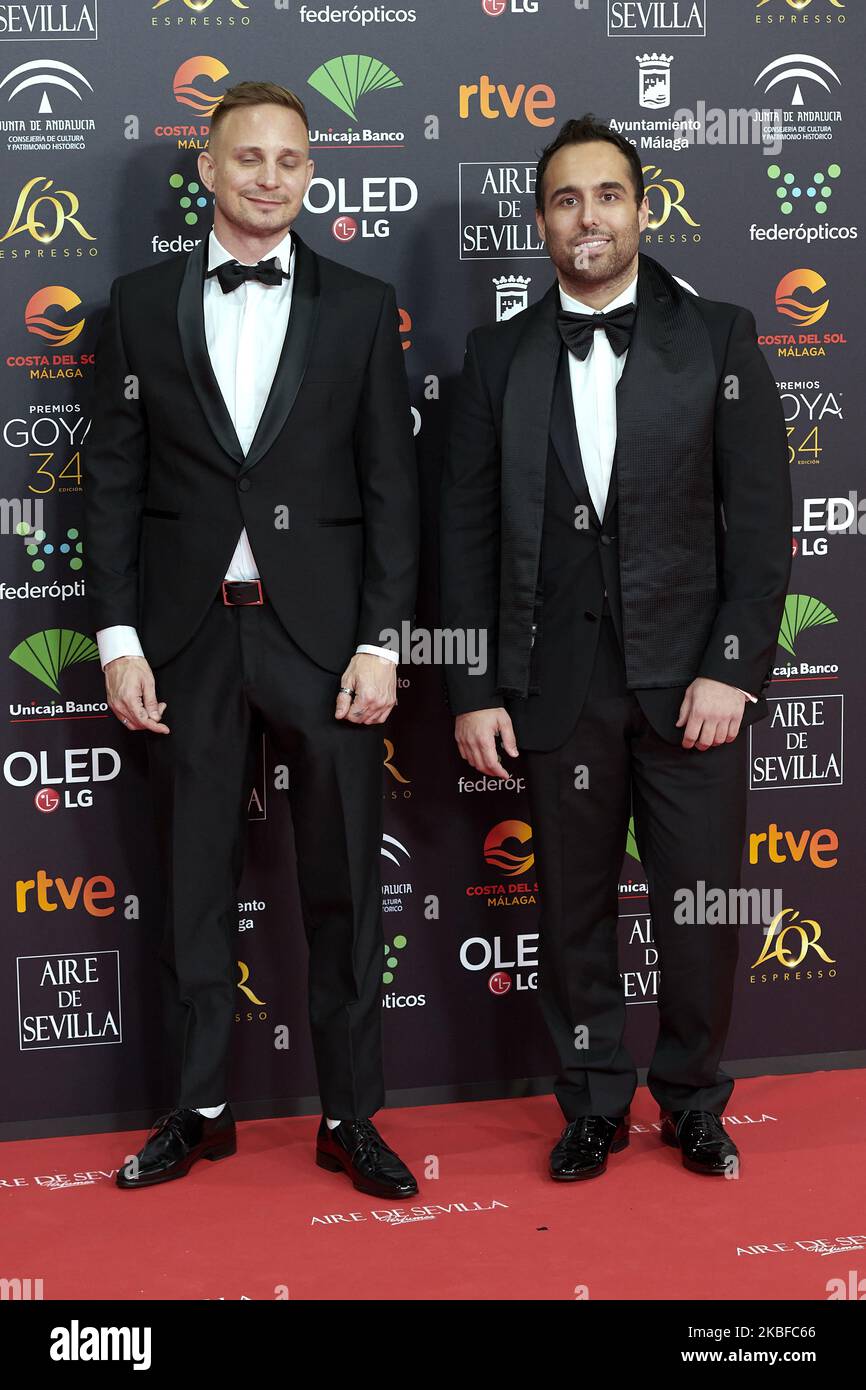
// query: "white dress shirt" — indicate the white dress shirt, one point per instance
point(594, 381)
point(244, 330)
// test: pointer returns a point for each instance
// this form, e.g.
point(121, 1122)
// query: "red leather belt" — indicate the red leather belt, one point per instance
point(242, 593)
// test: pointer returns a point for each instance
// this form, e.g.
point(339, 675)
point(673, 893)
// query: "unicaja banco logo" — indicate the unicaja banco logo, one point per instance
point(343, 81)
point(802, 611)
point(45, 654)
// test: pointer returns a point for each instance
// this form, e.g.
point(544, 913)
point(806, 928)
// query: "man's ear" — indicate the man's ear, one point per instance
point(205, 166)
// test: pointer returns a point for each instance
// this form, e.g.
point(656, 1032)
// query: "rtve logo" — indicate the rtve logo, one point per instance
point(495, 99)
point(782, 845)
point(51, 893)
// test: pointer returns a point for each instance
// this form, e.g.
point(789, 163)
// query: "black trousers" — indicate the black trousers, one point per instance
point(690, 819)
point(241, 672)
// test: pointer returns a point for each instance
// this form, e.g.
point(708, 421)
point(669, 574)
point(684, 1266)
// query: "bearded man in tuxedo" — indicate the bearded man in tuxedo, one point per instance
point(616, 514)
point(251, 513)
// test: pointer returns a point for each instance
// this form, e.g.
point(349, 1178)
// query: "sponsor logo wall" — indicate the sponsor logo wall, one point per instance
point(426, 121)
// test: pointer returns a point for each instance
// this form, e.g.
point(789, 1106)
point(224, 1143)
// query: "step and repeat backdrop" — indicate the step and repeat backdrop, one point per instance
point(426, 121)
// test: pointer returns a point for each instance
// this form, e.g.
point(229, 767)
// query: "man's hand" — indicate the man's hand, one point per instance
point(476, 738)
point(131, 692)
point(374, 681)
point(711, 712)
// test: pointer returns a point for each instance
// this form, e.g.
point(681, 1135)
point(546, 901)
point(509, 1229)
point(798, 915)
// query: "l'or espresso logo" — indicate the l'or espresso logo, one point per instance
point(42, 214)
point(255, 1010)
point(195, 15)
point(70, 1000)
point(53, 20)
point(67, 780)
point(667, 209)
point(793, 952)
point(193, 86)
point(669, 19)
point(399, 787)
point(794, 14)
point(800, 745)
point(497, 211)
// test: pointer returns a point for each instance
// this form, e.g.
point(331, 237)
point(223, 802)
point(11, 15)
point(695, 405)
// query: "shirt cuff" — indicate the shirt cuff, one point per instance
point(119, 640)
point(753, 698)
point(380, 651)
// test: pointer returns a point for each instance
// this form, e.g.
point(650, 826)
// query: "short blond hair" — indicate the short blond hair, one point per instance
point(257, 94)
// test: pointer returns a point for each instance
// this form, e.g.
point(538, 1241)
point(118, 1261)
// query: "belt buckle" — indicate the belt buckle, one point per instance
point(254, 603)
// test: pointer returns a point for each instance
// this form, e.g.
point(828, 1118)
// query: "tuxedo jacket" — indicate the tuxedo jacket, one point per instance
point(692, 556)
point(327, 490)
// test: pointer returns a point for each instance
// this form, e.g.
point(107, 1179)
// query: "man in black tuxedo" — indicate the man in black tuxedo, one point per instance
point(617, 514)
point(252, 530)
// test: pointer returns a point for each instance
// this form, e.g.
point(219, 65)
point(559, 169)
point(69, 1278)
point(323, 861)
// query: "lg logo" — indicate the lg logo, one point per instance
point(345, 229)
point(497, 7)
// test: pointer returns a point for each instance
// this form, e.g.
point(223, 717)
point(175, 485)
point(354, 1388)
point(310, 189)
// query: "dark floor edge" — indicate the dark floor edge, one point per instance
point(113, 1121)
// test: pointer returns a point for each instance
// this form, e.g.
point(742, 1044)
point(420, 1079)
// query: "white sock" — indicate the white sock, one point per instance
point(332, 1124)
point(210, 1112)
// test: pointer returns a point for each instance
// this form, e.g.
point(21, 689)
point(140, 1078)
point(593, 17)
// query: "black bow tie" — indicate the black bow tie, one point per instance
point(231, 273)
point(577, 329)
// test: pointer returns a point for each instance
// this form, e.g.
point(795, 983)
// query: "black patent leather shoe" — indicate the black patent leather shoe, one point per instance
point(584, 1145)
point(357, 1148)
point(700, 1136)
point(175, 1143)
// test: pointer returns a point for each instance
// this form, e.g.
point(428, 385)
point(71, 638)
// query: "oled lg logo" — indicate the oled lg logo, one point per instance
point(494, 8)
point(375, 197)
point(516, 965)
point(81, 767)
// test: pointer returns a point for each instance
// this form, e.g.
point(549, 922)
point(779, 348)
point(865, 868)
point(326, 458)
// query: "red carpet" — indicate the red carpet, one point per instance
point(497, 1227)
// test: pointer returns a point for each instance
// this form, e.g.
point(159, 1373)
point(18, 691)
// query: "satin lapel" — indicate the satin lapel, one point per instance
point(525, 443)
point(566, 442)
point(653, 387)
point(294, 355)
point(190, 323)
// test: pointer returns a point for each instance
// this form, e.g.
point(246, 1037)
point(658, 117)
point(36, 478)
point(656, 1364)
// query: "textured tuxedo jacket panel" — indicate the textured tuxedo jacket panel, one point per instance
point(328, 490)
point(693, 551)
